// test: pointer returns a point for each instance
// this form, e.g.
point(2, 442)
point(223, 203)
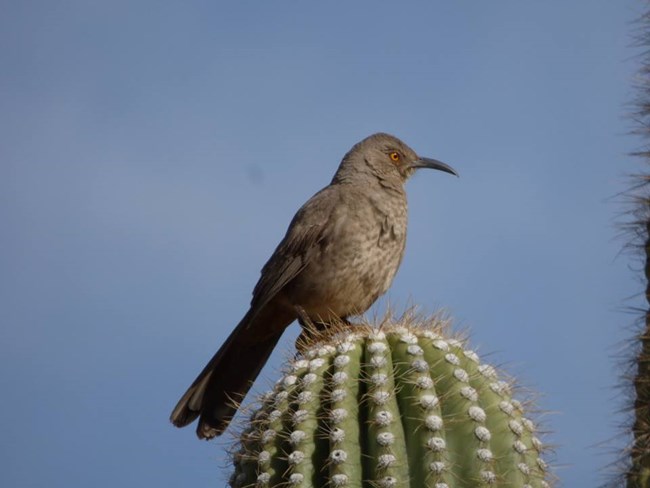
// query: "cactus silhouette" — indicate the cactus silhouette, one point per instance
point(398, 406)
point(638, 464)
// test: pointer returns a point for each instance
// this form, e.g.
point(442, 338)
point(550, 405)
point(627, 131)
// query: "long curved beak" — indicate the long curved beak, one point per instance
point(433, 164)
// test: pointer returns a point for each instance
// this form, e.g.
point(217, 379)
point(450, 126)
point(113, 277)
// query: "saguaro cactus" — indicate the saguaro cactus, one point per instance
point(637, 463)
point(398, 406)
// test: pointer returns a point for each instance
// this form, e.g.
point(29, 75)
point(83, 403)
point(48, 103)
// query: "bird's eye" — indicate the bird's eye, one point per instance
point(394, 156)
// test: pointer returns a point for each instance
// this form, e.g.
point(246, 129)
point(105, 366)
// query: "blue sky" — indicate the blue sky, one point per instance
point(154, 152)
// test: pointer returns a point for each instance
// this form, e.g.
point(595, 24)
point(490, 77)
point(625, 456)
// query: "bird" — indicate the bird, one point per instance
point(340, 253)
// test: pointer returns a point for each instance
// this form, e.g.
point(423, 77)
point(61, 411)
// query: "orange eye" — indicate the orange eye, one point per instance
point(394, 156)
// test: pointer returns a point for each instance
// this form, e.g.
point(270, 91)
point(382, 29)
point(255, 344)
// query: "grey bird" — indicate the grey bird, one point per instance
point(340, 253)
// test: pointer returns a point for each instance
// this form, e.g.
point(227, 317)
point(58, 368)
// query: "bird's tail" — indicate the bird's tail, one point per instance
point(225, 380)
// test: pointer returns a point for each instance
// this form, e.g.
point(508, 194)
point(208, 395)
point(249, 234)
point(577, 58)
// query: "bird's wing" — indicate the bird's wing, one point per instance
point(304, 235)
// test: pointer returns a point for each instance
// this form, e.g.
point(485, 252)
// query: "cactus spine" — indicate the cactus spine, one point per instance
point(396, 407)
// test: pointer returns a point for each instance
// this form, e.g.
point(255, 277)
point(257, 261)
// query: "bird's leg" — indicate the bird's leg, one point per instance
point(303, 318)
point(314, 330)
point(305, 339)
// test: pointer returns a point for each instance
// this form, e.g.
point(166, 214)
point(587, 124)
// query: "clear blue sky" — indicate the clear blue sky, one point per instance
point(153, 154)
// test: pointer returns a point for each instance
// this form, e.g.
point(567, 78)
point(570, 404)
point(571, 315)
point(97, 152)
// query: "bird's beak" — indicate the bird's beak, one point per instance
point(433, 164)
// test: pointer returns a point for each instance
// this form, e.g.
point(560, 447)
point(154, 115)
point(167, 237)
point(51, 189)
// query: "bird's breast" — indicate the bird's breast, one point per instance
point(355, 261)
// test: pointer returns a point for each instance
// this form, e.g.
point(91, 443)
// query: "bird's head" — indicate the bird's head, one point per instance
point(386, 158)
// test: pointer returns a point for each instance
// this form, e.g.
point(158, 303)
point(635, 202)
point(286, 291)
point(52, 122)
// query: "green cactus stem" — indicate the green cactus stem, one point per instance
point(395, 407)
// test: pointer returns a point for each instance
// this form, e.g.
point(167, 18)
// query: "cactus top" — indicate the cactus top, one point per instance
point(399, 406)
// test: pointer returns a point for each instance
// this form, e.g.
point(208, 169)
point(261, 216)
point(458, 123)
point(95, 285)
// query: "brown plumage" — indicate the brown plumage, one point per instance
point(340, 253)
